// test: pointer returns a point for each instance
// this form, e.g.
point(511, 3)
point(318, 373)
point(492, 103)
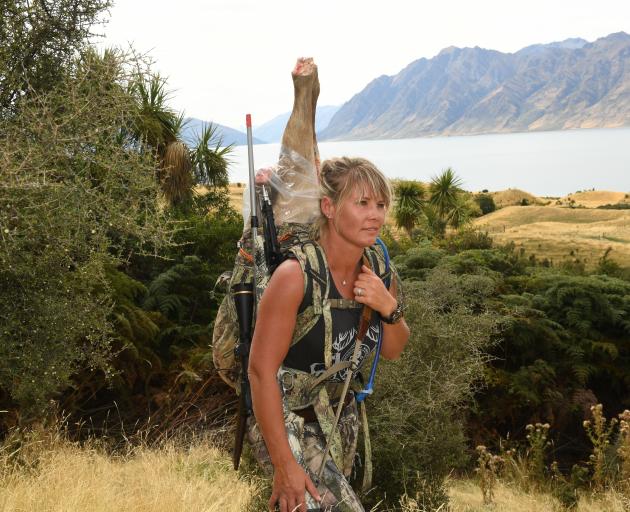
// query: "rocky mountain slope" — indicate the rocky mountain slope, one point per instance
point(570, 84)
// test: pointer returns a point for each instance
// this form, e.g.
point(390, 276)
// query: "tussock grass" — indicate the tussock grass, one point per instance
point(61, 476)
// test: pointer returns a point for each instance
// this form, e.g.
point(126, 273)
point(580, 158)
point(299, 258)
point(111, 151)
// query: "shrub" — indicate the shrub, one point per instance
point(395, 245)
point(486, 203)
point(416, 413)
point(417, 260)
point(465, 239)
point(73, 199)
point(408, 206)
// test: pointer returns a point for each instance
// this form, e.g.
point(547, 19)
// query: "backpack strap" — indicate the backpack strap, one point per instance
point(314, 266)
point(321, 302)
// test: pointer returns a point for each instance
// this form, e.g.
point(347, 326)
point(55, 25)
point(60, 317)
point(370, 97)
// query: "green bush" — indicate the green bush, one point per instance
point(486, 203)
point(465, 239)
point(416, 413)
point(415, 263)
point(73, 200)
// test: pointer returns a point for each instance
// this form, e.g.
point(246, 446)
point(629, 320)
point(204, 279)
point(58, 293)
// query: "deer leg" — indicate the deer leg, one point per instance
point(297, 194)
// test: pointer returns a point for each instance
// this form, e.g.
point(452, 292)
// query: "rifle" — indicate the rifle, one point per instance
point(245, 294)
point(245, 302)
point(273, 257)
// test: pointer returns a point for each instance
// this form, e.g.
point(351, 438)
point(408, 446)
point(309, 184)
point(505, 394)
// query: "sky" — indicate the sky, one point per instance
point(226, 58)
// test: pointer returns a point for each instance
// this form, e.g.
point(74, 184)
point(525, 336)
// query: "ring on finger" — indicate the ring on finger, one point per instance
point(359, 292)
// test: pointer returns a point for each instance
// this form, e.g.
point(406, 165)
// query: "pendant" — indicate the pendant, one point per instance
point(343, 282)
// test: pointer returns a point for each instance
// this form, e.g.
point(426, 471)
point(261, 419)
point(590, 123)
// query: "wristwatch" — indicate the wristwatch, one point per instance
point(395, 316)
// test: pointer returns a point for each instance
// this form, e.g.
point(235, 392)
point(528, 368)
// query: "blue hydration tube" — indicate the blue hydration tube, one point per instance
point(369, 389)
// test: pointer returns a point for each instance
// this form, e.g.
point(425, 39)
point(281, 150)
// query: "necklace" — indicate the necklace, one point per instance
point(344, 282)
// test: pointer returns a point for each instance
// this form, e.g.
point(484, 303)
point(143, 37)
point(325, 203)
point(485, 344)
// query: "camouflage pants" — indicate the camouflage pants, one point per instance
point(307, 443)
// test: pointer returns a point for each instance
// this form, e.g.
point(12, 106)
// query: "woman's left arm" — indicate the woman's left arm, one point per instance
point(375, 295)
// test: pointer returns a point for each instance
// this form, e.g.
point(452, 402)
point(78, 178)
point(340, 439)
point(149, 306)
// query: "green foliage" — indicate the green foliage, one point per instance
point(448, 204)
point(486, 203)
point(395, 245)
point(436, 224)
point(39, 43)
point(444, 191)
point(415, 415)
point(209, 158)
point(465, 239)
point(566, 339)
point(409, 202)
point(563, 339)
point(416, 262)
point(154, 122)
point(612, 268)
point(73, 200)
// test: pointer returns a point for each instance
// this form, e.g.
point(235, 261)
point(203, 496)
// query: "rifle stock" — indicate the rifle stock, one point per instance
point(244, 301)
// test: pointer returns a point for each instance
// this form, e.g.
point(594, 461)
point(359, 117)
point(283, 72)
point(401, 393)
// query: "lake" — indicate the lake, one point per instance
point(543, 163)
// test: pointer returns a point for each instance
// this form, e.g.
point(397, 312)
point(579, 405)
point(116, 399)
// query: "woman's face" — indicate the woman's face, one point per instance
point(359, 217)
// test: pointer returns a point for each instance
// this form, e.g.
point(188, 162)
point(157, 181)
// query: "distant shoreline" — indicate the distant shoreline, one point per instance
point(545, 163)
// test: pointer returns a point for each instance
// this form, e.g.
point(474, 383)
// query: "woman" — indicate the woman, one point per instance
point(353, 202)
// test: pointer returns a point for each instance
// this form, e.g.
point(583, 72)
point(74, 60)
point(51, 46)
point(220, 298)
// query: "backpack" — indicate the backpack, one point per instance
point(296, 240)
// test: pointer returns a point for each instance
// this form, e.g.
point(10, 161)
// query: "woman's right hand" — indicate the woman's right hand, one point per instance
point(290, 482)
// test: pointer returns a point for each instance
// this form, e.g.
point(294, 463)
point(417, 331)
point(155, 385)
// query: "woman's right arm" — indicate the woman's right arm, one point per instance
point(275, 322)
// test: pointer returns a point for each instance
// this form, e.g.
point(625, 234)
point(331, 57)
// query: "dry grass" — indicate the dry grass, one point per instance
point(235, 191)
point(595, 198)
point(556, 232)
point(466, 496)
point(66, 478)
point(48, 474)
point(236, 196)
point(514, 196)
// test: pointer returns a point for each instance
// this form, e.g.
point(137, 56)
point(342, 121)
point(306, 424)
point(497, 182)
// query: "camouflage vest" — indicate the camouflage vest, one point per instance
point(297, 241)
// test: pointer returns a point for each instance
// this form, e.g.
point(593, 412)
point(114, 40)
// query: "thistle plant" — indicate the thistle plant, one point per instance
point(623, 449)
point(488, 466)
point(599, 431)
point(537, 437)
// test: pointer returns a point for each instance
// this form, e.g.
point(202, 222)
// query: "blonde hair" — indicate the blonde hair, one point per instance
point(340, 176)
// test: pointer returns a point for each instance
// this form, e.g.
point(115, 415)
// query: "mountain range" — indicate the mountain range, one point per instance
point(272, 131)
point(562, 85)
point(193, 127)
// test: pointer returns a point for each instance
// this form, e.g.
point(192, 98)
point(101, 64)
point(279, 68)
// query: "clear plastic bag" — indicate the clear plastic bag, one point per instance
point(293, 187)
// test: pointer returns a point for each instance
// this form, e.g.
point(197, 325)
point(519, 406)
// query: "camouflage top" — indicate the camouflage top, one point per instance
point(307, 354)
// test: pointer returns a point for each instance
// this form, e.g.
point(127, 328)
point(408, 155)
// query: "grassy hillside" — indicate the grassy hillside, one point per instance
point(513, 197)
point(595, 198)
point(546, 229)
point(562, 233)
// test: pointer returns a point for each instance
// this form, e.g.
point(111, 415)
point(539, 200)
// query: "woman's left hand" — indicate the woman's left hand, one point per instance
point(370, 290)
